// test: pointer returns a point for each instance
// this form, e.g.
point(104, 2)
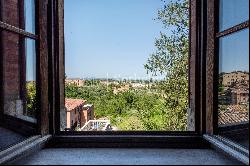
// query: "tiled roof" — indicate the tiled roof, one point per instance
point(236, 108)
point(71, 104)
point(240, 91)
point(231, 117)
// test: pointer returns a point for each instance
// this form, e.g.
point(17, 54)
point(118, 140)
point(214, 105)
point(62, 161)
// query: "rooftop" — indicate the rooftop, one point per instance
point(240, 91)
point(71, 104)
point(232, 117)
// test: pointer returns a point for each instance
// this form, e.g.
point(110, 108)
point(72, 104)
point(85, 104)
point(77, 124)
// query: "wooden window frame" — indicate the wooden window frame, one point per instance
point(214, 134)
point(213, 36)
point(57, 69)
point(233, 29)
point(18, 125)
point(50, 73)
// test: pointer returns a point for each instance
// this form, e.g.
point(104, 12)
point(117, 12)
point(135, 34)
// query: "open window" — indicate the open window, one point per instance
point(73, 94)
point(21, 57)
point(35, 98)
point(227, 93)
point(233, 76)
point(18, 64)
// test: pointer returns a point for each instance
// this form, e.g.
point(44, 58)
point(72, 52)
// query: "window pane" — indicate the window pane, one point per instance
point(11, 96)
point(30, 51)
point(29, 8)
point(234, 81)
point(19, 13)
point(11, 73)
point(233, 12)
point(109, 55)
point(19, 76)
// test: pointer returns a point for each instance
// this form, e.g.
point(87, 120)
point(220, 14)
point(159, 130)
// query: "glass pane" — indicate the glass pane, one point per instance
point(19, 76)
point(11, 73)
point(233, 12)
point(11, 90)
point(19, 13)
point(234, 81)
point(30, 51)
point(109, 84)
point(29, 8)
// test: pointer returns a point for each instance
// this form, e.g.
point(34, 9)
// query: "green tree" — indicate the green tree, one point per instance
point(31, 98)
point(131, 123)
point(171, 59)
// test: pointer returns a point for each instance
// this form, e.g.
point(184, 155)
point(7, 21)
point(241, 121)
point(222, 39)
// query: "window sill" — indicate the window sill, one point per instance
point(23, 149)
point(228, 147)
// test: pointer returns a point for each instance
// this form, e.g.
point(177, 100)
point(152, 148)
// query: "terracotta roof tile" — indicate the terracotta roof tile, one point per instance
point(71, 104)
point(236, 108)
point(231, 117)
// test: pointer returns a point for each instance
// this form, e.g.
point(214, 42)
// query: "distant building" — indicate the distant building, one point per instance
point(121, 89)
point(240, 96)
point(76, 82)
point(238, 77)
point(87, 114)
point(104, 82)
point(73, 109)
point(78, 113)
point(107, 82)
point(138, 85)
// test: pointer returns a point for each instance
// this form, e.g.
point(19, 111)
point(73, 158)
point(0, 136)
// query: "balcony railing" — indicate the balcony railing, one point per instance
point(97, 125)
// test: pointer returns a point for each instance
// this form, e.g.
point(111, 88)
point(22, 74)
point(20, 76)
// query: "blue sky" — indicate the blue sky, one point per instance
point(113, 37)
point(29, 43)
point(116, 37)
point(29, 15)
